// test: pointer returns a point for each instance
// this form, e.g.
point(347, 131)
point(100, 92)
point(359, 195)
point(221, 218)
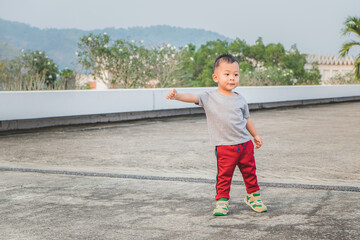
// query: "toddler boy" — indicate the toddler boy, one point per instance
point(230, 127)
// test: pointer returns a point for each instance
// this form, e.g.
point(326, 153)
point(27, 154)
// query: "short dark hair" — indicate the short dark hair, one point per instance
point(226, 58)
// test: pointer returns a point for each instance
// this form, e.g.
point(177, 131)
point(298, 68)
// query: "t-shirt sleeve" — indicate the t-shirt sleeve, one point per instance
point(202, 97)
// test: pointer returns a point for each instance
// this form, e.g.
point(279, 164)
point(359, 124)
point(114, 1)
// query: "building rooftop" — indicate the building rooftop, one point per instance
point(329, 60)
point(155, 179)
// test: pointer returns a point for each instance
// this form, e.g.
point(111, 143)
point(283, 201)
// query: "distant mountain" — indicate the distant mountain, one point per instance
point(8, 51)
point(61, 44)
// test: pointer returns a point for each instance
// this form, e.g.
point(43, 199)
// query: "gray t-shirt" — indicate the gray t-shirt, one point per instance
point(226, 117)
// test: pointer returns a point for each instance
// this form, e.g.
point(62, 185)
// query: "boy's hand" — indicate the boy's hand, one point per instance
point(258, 141)
point(172, 94)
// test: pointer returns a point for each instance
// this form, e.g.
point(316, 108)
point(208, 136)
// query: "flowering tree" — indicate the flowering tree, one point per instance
point(93, 54)
point(120, 64)
point(33, 70)
point(128, 64)
point(166, 65)
point(37, 62)
point(270, 76)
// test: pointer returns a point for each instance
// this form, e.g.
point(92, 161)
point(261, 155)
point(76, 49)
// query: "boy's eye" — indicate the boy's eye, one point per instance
point(236, 75)
point(226, 74)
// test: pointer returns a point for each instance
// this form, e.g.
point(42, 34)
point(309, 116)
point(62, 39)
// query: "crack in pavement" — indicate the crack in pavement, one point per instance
point(177, 179)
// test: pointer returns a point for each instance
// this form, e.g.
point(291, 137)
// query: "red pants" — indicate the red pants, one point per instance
point(228, 157)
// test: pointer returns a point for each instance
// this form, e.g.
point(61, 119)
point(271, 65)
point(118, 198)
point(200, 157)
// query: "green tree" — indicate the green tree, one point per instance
point(257, 51)
point(273, 54)
point(67, 79)
point(352, 26)
point(295, 61)
point(204, 59)
point(187, 70)
point(239, 49)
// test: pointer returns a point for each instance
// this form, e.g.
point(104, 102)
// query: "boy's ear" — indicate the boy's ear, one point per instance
point(215, 78)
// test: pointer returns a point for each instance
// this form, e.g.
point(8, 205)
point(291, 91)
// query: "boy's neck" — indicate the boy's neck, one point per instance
point(226, 93)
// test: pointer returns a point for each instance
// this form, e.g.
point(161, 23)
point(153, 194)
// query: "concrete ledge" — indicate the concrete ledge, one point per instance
point(269, 105)
point(51, 104)
point(25, 124)
point(90, 119)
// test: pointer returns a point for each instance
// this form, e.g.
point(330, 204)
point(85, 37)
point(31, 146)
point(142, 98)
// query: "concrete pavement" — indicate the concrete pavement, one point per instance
point(155, 179)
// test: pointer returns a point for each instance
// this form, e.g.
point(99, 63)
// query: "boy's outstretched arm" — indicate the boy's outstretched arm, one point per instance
point(184, 97)
point(252, 130)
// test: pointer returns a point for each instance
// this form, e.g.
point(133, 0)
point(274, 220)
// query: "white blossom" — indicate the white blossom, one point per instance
point(48, 63)
point(77, 53)
point(89, 39)
point(105, 46)
point(35, 59)
point(105, 33)
point(169, 45)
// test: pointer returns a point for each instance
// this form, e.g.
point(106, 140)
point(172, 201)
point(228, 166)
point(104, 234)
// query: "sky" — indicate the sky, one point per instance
point(313, 25)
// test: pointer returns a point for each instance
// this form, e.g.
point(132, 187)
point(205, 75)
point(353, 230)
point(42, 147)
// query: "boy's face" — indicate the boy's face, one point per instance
point(227, 76)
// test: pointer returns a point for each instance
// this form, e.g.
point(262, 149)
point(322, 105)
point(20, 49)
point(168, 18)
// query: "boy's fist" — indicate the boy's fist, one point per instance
point(172, 94)
point(258, 142)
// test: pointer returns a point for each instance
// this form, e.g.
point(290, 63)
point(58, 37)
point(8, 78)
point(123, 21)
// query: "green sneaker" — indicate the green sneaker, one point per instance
point(221, 208)
point(254, 201)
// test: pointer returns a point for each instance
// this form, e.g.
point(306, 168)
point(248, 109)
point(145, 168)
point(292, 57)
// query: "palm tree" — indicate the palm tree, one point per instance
point(352, 25)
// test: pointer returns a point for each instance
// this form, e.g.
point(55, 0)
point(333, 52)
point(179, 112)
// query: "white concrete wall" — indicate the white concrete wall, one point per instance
point(47, 104)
